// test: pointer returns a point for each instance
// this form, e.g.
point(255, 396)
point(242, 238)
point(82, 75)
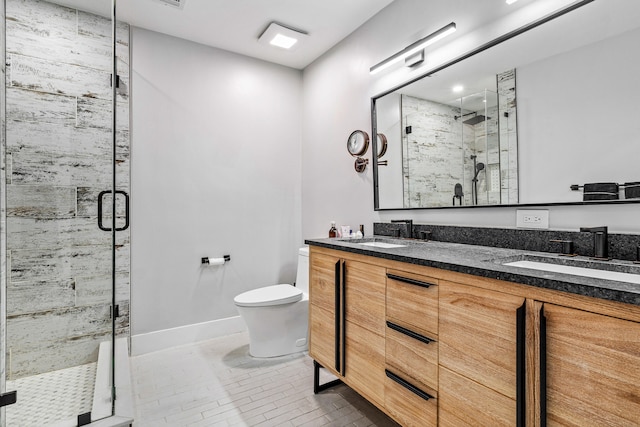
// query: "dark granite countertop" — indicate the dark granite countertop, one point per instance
point(488, 262)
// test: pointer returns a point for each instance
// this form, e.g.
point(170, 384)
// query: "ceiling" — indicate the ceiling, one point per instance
point(235, 25)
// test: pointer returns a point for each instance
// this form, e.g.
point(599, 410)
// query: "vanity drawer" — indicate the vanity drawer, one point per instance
point(413, 355)
point(412, 300)
point(408, 404)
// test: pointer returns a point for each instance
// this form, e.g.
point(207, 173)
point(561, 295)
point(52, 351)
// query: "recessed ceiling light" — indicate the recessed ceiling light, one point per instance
point(283, 41)
point(511, 1)
point(457, 88)
point(281, 36)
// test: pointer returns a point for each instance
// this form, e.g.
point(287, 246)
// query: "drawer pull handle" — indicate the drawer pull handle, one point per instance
point(408, 386)
point(409, 333)
point(521, 399)
point(543, 368)
point(343, 331)
point(408, 280)
point(338, 294)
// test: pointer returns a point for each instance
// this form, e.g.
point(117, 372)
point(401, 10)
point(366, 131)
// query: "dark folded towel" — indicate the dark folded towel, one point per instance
point(601, 191)
point(631, 190)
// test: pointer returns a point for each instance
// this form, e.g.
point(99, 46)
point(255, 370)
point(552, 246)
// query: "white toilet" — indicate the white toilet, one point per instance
point(278, 316)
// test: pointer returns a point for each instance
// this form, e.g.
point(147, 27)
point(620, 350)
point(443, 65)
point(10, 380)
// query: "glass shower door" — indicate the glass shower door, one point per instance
point(65, 270)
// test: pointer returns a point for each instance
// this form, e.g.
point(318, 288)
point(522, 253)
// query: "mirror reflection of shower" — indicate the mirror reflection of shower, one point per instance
point(478, 118)
point(477, 167)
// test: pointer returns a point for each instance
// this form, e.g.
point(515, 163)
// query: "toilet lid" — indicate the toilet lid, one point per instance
point(269, 295)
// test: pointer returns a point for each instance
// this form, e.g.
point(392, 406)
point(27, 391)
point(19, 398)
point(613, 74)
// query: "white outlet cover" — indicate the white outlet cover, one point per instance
point(532, 218)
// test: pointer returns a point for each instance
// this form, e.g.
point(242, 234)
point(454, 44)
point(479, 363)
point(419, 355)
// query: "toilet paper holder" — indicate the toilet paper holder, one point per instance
point(216, 261)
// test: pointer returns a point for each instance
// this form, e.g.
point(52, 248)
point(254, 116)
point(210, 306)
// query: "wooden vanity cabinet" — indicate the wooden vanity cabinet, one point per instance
point(590, 364)
point(432, 347)
point(481, 356)
point(346, 310)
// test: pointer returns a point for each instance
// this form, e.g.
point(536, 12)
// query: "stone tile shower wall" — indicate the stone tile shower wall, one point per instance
point(435, 136)
point(58, 157)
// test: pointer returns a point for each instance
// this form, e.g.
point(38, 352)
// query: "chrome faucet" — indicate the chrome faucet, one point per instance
point(600, 241)
point(408, 224)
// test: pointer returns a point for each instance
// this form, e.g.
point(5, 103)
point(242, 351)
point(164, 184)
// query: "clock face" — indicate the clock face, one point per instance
point(358, 143)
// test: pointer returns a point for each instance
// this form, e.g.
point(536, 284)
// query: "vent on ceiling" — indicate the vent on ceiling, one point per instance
point(176, 4)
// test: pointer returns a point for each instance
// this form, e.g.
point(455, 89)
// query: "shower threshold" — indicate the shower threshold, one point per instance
point(55, 399)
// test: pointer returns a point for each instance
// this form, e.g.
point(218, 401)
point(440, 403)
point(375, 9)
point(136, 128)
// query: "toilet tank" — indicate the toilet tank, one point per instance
point(302, 278)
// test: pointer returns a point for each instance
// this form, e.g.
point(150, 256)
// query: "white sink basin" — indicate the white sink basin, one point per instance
point(382, 245)
point(577, 271)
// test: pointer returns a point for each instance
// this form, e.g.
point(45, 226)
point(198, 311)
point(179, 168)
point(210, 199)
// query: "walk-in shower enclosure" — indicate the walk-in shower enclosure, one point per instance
point(64, 296)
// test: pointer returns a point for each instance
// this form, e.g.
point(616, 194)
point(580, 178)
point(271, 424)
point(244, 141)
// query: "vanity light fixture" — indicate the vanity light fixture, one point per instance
point(414, 48)
point(281, 36)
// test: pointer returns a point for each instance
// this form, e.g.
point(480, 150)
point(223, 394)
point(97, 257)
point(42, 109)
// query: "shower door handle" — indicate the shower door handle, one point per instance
point(126, 207)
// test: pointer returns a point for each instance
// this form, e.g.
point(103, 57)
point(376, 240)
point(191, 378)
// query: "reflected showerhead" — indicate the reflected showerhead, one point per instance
point(476, 119)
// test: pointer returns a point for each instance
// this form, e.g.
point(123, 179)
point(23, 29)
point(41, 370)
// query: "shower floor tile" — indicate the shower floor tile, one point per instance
point(52, 397)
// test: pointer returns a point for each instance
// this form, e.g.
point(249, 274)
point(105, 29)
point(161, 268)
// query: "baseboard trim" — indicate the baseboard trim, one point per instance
point(166, 338)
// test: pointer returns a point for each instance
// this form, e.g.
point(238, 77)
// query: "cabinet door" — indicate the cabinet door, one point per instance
point(365, 295)
point(482, 339)
point(365, 328)
point(463, 402)
point(324, 323)
point(592, 369)
point(364, 365)
point(322, 338)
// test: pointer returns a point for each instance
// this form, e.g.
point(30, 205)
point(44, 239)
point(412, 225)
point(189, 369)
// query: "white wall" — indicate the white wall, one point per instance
point(215, 170)
point(337, 92)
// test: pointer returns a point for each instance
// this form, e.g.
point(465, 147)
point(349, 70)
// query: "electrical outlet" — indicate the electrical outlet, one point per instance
point(538, 218)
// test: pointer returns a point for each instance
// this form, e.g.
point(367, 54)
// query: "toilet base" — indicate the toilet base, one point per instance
point(277, 330)
point(270, 349)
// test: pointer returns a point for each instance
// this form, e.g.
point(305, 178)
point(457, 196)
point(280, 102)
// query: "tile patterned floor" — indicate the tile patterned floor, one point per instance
point(52, 397)
point(217, 383)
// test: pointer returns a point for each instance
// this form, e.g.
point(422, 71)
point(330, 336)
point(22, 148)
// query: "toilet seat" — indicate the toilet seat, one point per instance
point(268, 296)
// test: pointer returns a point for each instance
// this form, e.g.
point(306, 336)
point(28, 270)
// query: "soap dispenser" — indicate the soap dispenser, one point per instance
point(333, 231)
